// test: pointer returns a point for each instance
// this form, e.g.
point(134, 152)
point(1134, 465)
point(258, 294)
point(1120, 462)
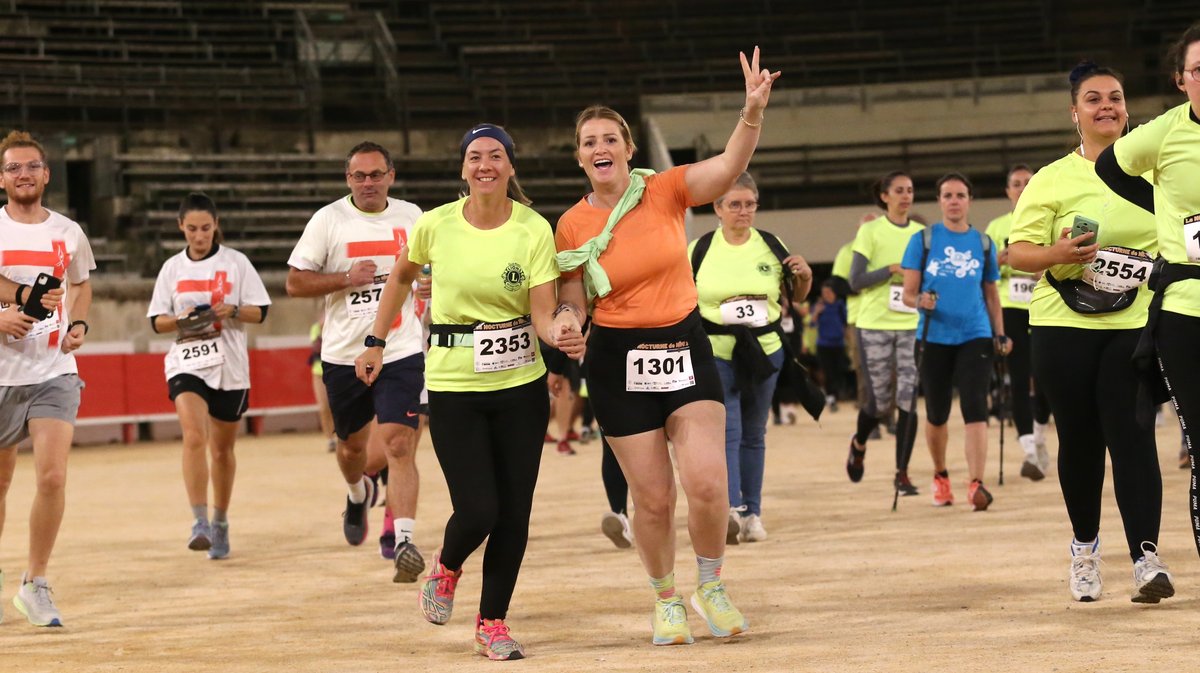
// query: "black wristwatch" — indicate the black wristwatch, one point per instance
point(373, 342)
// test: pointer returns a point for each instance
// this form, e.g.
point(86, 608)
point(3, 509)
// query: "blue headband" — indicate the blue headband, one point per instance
point(488, 131)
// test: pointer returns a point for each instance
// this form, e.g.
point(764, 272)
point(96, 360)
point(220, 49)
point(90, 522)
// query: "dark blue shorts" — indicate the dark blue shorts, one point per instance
point(395, 397)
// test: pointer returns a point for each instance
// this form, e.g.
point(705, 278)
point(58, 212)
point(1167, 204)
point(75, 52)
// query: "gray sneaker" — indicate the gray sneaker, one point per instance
point(201, 536)
point(33, 600)
point(409, 563)
point(220, 540)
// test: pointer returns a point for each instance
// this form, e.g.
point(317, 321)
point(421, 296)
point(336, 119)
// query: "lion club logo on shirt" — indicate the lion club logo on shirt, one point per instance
point(514, 277)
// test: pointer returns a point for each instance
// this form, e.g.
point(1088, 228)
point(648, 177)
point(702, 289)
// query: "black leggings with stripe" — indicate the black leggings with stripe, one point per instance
point(1179, 359)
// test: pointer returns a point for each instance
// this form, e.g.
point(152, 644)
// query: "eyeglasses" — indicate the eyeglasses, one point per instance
point(1195, 73)
point(34, 167)
point(749, 206)
point(360, 177)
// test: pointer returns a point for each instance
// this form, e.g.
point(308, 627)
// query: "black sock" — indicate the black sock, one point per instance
point(945, 474)
point(866, 423)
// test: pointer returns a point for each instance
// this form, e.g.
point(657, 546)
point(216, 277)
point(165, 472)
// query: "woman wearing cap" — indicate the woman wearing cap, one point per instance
point(1085, 318)
point(493, 270)
point(651, 374)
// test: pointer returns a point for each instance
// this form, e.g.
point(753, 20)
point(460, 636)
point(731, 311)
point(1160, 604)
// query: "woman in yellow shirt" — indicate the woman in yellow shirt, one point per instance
point(1169, 149)
point(1086, 315)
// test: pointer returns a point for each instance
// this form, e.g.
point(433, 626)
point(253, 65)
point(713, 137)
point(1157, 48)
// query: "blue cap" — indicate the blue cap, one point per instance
point(487, 131)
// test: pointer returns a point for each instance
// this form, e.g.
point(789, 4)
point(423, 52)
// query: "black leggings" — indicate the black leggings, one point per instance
point(834, 365)
point(965, 366)
point(1090, 381)
point(1176, 338)
point(1026, 404)
point(489, 445)
point(616, 488)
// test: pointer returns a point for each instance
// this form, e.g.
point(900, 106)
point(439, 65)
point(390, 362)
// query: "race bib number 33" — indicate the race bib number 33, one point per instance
point(745, 310)
point(504, 345)
point(659, 368)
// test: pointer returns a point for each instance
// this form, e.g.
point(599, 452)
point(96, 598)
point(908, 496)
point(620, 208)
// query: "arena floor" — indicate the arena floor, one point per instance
point(842, 584)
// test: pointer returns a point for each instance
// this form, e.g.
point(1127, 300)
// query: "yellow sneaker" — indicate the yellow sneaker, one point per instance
point(670, 622)
point(711, 601)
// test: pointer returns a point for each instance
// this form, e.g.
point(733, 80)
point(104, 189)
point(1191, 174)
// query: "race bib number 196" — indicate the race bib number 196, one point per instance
point(1020, 289)
point(659, 368)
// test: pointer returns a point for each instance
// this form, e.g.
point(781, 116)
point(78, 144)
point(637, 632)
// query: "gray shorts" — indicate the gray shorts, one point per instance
point(56, 398)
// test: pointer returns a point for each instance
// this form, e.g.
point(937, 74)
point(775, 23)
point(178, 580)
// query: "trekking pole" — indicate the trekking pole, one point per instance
point(1004, 398)
point(912, 410)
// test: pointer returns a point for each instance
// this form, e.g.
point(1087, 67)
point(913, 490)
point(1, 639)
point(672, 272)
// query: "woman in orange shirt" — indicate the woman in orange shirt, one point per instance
point(652, 377)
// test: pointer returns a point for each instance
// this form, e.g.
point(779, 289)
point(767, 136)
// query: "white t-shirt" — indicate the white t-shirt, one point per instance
point(338, 236)
point(56, 246)
point(224, 276)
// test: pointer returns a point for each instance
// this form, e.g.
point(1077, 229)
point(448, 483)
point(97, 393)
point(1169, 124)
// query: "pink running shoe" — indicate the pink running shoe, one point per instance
point(437, 592)
point(492, 640)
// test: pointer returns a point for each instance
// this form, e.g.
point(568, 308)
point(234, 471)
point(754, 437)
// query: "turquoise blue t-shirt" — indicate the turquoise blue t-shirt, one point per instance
point(956, 269)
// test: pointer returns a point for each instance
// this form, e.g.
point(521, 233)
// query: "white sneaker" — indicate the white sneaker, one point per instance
point(752, 529)
point(616, 528)
point(1030, 469)
point(734, 532)
point(1084, 580)
point(33, 600)
point(1039, 438)
point(1151, 579)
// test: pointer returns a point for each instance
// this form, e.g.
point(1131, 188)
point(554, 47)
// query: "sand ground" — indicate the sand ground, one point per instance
point(842, 584)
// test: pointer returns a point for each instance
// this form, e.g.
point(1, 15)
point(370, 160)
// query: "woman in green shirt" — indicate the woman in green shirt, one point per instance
point(494, 273)
point(1086, 316)
point(738, 286)
point(1168, 148)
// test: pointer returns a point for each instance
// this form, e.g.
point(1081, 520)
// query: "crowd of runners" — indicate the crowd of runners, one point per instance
point(466, 318)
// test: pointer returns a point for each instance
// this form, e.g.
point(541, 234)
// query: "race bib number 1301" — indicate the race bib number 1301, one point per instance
point(659, 368)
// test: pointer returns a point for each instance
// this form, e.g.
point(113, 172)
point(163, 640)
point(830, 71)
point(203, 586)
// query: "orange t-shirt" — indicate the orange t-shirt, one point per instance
point(646, 260)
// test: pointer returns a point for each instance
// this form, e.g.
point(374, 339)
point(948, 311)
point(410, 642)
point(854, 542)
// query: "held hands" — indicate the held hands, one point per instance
point(567, 333)
point(74, 338)
point(368, 364)
point(362, 273)
point(758, 87)
point(799, 268)
point(1079, 250)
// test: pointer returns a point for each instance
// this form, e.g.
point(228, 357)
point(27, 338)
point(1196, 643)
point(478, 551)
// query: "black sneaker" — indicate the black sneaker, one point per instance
point(409, 563)
point(354, 519)
point(854, 462)
point(903, 485)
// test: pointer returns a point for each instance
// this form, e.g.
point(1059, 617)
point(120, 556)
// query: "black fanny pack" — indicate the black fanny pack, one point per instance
point(1081, 297)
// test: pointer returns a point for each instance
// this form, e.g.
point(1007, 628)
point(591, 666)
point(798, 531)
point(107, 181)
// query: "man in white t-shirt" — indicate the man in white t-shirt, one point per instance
point(39, 382)
point(344, 255)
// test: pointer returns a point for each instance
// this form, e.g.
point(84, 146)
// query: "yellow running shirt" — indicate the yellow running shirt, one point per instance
point(1054, 196)
point(736, 283)
point(481, 276)
point(883, 244)
point(1016, 287)
point(1168, 148)
point(841, 269)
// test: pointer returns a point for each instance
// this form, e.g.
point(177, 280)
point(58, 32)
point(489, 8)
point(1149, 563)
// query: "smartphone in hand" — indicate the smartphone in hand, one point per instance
point(33, 303)
point(1084, 225)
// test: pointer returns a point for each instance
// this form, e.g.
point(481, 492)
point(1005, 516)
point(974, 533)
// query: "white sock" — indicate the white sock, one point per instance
point(358, 491)
point(404, 530)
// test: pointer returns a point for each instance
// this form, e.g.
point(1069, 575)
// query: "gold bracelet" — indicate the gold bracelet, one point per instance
point(742, 117)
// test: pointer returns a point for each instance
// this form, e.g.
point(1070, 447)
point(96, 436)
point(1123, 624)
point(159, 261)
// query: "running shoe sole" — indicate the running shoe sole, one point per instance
point(982, 499)
point(614, 530)
point(20, 605)
point(200, 543)
point(1155, 590)
point(409, 564)
point(855, 472)
point(1032, 471)
point(716, 630)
